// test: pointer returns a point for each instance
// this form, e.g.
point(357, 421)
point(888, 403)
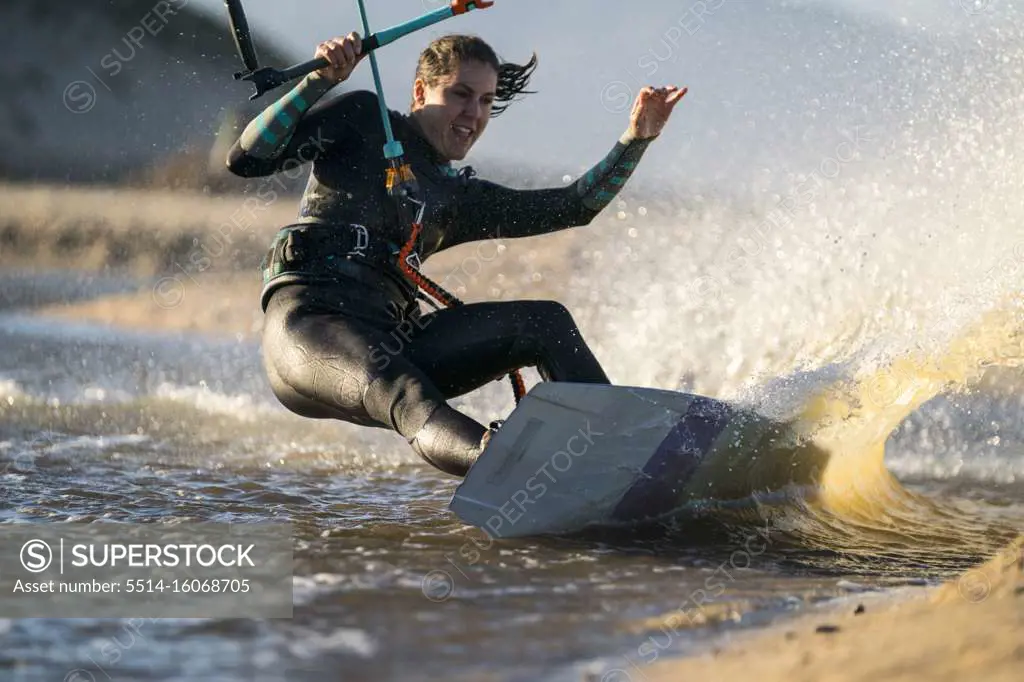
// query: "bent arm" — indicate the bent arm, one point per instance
point(292, 131)
point(491, 211)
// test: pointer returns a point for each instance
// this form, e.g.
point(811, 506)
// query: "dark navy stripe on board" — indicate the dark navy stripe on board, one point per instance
point(673, 463)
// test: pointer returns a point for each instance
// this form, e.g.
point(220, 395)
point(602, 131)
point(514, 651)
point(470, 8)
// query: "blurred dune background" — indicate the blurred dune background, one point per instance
point(114, 129)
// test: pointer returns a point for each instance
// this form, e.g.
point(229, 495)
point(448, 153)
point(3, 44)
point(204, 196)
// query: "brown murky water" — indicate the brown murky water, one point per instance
point(388, 584)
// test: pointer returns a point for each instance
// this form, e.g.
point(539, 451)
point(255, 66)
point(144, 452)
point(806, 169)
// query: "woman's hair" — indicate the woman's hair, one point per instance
point(444, 55)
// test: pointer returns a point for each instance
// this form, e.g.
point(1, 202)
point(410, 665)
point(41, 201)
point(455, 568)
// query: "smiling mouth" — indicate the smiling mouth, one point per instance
point(464, 133)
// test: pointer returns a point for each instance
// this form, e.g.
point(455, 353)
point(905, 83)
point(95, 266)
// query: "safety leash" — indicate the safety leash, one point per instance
point(438, 293)
point(400, 182)
point(402, 187)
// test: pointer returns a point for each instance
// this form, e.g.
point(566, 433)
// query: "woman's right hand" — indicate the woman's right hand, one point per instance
point(343, 54)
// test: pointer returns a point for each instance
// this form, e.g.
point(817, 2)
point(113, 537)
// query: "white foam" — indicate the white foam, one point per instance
point(899, 247)
point(9, 391)
point(307, 643)
point(60, 443)
point(201, 397)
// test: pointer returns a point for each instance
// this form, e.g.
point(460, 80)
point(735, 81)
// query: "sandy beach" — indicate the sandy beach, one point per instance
point(967, 629)
point(197, 257)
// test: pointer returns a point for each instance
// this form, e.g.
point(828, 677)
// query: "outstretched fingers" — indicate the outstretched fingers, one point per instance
point(677, 95)
point(669, 94)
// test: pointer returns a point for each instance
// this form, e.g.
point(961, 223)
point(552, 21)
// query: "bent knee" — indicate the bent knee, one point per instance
point(549, 311)
point(550, 321)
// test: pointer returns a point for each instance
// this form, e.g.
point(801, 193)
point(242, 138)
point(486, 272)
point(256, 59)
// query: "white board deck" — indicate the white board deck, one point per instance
point(572, 456)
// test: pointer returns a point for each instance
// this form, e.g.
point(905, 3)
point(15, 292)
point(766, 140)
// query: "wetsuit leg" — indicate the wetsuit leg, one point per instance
point(322, 364)
point(465, 347)
point(325, 365)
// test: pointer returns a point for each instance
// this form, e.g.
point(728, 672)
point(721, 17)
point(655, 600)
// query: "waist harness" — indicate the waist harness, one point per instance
point(322, 252)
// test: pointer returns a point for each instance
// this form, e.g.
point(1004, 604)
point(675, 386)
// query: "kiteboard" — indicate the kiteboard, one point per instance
point(572, 457)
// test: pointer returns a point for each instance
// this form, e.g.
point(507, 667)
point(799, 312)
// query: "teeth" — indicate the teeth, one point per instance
point(462, 130)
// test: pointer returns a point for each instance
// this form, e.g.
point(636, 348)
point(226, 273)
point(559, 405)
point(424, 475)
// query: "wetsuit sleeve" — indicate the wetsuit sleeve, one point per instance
point(295, 130)
point(491, 211)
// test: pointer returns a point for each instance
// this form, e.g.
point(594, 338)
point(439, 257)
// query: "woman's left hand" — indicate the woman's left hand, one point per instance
point(651, 110)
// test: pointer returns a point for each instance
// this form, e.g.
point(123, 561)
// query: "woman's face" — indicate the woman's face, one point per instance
point(453, 113)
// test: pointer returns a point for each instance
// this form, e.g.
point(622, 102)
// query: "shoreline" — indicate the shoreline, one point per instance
point(964, 629)
point(191, 261)
point(967, 628)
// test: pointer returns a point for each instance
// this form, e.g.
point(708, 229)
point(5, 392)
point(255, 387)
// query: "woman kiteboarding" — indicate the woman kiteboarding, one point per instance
point(344, 336)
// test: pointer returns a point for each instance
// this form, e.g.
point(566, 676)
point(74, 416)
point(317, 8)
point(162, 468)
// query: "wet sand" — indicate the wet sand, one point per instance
point(970, 628)
point(197, 257)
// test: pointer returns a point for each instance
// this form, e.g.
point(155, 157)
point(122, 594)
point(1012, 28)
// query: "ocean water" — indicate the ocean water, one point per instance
point(103, 425)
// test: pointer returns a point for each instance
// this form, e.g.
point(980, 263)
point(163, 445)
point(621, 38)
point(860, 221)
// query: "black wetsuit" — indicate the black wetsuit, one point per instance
point(344, 336)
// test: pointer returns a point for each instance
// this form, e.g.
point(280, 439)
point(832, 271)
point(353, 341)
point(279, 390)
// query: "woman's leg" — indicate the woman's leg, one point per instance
point(322, 364)
point(465, 347)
